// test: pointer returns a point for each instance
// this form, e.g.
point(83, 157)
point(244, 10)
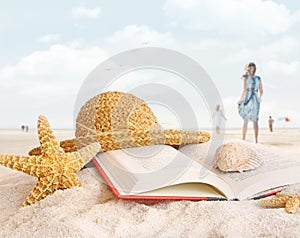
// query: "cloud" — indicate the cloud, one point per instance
point(224, 61)
point(281, 69)
point(231, 16)
point(282, 80)
point(86, 12)
point(278, 65)
point(54, 63)
point(133, 36)
point(49, 38)
point(47, 82)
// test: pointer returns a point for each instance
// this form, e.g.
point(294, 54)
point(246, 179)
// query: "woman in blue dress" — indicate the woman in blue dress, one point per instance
point(249, 102)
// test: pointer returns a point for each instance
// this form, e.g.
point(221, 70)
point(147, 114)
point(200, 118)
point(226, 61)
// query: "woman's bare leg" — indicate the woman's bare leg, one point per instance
point(245, 127)
point(255, 127)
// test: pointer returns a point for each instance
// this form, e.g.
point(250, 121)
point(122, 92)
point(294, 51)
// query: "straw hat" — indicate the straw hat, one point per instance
point(119, 120)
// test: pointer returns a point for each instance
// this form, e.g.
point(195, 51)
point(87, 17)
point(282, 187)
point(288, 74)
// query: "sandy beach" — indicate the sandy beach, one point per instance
point(93, 211)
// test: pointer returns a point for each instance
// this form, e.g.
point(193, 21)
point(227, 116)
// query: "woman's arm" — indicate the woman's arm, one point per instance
point(214, 114)
point(244, 90)
point(222, 114)
point(261, 91)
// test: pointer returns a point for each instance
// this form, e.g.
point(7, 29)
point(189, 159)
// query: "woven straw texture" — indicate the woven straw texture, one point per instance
point(120, 120)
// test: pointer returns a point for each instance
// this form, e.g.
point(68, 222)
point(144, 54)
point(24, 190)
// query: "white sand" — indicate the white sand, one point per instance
point(93, 211)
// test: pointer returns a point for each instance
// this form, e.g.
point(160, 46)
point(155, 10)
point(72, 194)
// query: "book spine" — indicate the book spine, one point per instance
point(266, 195)
point(216, 199)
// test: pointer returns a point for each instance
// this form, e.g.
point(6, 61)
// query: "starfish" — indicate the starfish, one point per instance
point(291, 202)
point(54, 168)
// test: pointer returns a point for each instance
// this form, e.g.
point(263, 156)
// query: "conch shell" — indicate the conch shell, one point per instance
point(237, 156)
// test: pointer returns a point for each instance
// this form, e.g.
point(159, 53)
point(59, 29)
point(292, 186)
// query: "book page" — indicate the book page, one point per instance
point(143, 169)
point(186, 189)
point(277, 170)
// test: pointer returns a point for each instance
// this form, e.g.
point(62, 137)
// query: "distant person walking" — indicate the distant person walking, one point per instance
point(249, 102)
point(26, 128)
point(22, 128)
point(271, 122)
point(218, 116)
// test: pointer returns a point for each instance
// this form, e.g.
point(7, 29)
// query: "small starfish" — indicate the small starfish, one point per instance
point(291, 202)
point(54, 168)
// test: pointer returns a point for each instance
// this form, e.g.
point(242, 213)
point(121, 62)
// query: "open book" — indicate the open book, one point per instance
point(162, 172)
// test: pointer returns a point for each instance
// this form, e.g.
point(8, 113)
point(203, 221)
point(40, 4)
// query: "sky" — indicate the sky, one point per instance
point(48, 48)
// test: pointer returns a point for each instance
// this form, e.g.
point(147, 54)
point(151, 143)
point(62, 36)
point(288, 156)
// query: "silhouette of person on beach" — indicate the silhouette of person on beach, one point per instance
point(249, 102)
point(218, 116)
point(22, 128)
point(271, 122)
point(26, 128)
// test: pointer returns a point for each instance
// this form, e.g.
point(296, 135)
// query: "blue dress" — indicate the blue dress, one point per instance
point(249, 108)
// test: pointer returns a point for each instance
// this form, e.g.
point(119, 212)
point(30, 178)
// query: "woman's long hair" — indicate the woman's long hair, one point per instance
point(247, 69)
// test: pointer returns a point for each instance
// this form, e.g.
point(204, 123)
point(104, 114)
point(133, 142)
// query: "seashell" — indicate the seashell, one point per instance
point(236, 156)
